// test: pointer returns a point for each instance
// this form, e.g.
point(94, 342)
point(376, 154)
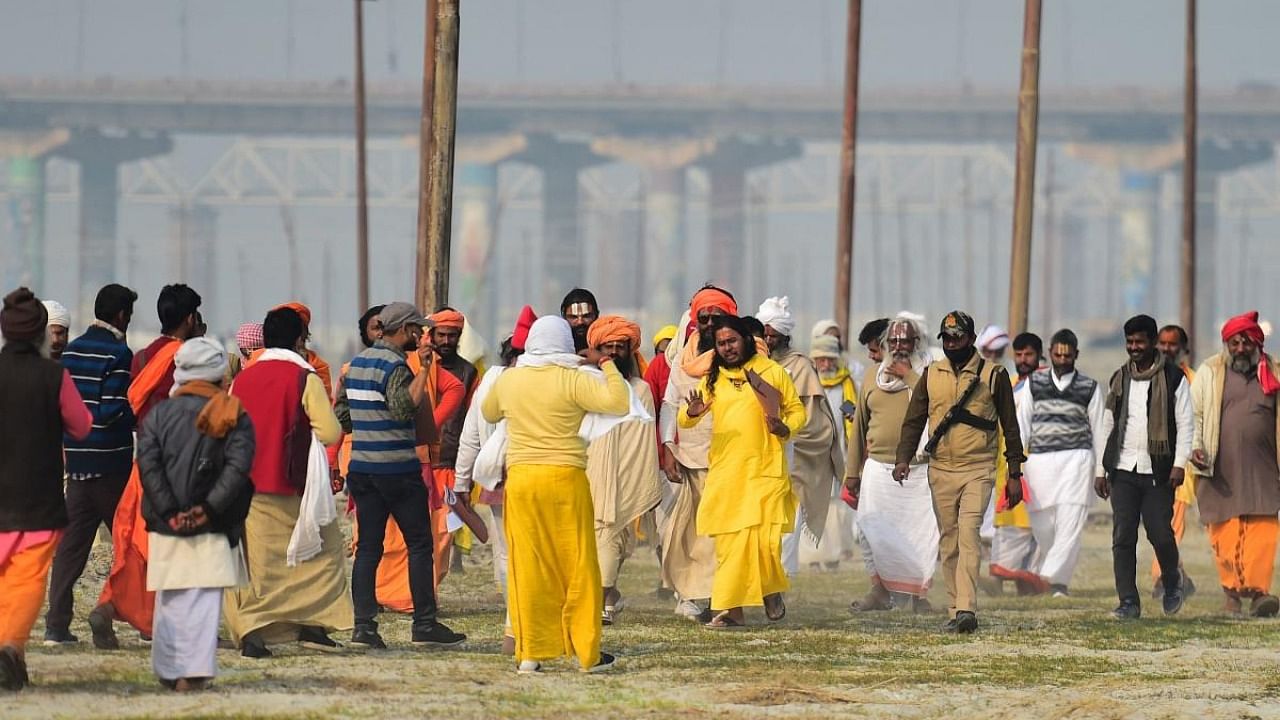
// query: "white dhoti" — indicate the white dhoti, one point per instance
point(1060, 487)
point(1058, 531)
point(1013, 552)
point(188, 575)
point(899, 528)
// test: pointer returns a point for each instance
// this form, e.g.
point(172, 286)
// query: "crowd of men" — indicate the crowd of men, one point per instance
point(738, 456)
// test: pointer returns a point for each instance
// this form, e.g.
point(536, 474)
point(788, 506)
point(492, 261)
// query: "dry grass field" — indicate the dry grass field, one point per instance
point(1038, 658)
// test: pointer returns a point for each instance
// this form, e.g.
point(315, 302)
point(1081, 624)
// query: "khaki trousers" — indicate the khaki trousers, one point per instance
point(960, 497)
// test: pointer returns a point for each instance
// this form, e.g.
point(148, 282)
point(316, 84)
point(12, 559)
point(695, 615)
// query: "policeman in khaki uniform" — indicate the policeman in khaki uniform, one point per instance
point(964, 401)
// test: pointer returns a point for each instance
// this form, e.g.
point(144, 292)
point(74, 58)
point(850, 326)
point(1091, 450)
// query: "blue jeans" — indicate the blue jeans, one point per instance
point(403, 497)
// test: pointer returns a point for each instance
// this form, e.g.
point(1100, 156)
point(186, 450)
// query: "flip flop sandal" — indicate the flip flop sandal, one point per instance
point(779, 610)
point(724, 621)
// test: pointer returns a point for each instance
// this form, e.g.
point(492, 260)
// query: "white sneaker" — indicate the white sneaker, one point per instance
point(529, 667)
point(688, 608)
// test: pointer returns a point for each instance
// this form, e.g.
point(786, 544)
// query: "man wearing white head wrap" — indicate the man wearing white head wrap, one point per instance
point(814, 456)
point(59, 328)
point(555, 592)
point(200, 358)
point(899, 537)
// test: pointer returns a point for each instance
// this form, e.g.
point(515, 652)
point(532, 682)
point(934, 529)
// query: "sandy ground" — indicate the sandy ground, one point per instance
point(1040, 658)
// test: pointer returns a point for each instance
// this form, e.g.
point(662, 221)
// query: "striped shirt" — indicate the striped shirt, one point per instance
point(98, 363)
point(374, 401)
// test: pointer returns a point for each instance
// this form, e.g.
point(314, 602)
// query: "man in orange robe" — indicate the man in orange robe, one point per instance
point(124, 594)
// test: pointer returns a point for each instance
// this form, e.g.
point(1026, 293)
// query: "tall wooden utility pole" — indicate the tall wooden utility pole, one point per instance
point(422, 278)
point(444, 117)
point(848, 146)
point(1025, 178)
point(1189, 122)
point(362, 191)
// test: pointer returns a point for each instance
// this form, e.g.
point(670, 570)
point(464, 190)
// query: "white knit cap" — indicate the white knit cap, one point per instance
point(200, 358)
point(992, 337)
point(775, 312)
point(58, 314)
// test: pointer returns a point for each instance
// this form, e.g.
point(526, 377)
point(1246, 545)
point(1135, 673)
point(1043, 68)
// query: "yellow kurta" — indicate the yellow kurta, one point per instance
point(747, 504)
point(553, 577)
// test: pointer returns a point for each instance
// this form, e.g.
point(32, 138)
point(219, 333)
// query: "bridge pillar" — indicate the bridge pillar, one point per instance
point(22, 255)
point(1213, 160)
point(100, 157)
point(665, 162)
point(727, 167)
point(476, 211)
point(193, 234)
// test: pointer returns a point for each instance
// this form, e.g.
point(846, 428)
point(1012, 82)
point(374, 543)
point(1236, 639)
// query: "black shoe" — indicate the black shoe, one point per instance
point(1264, 606)
point(1173, 601)
point(11, 672)
point(368, 638)
point(951, 625)
point(1128, 610)
point(966, 622)
point(59, 636)
point(438, 635)
point(1059, 591)
point(104, 635)
point(607, 663)
point(314, 638)
point(253, 647)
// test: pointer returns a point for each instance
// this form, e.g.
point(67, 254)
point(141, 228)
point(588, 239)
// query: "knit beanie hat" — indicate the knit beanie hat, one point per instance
point(23, 316)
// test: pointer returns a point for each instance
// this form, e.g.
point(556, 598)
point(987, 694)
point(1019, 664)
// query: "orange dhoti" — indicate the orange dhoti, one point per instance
point(393, 571)
point(1245, 550)
point(22, 589)
point(126, 586)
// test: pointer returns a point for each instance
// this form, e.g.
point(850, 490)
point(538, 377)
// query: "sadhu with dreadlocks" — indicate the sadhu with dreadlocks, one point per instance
point(748, 504)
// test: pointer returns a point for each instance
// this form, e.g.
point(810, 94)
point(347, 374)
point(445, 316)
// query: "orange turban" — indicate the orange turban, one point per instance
point(712, 297)
point(448, 319)
point(612, 328)
point(299, 308)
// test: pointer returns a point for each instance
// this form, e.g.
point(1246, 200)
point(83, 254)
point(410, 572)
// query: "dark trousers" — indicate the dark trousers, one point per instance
point(1137, 498)
point(403, 497)
point(89, 503)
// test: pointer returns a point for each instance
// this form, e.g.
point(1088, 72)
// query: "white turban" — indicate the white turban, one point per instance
point(821, 328)
point(58, 314)
point(776, 313)
point(992, 337)
point(200, 358)
point(550, 342)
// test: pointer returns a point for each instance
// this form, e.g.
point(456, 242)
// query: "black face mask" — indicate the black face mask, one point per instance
point(959, 356)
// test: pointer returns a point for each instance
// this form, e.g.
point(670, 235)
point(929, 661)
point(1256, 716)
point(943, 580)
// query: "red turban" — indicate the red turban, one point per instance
point(612, 328)
point(448, 319)
point(302, 310)
point(709, 298)
point(521, 332)
point(1247, 325)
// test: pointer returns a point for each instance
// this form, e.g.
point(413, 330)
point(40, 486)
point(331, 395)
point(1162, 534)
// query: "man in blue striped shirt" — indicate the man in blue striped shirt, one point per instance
point(98, 466)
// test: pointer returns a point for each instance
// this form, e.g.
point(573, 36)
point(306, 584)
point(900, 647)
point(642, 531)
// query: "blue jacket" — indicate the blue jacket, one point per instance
point(99, 366)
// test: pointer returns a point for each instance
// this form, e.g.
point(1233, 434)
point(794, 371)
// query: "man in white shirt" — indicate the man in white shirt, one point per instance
point(1148, 423)
point(1060, 416)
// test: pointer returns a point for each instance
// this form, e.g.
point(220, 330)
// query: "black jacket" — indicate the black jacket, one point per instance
point(182, 468)
point(30, 440)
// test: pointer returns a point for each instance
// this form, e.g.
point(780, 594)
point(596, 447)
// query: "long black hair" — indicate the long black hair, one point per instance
point(738, 325)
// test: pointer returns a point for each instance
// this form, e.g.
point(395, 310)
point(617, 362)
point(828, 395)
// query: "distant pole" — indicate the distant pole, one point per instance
point(422, 277)
point(443, 132)
point(1025, 178)
point(362, 191)
point(1189, 149)
point(848, 147)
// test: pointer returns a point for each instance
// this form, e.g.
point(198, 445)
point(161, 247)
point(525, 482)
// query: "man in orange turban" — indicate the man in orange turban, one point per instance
point(1235, 452)
point(622, 465)
point(313, 358)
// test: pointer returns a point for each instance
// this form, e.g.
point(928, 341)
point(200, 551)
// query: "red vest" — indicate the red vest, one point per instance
point(271, 393)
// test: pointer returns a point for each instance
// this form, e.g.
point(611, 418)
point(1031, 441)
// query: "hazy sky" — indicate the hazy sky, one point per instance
point(736, 42)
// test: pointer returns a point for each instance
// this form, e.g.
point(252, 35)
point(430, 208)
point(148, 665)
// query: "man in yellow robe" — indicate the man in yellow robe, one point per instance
point(748, 504)
point(623, 464)
point(553, 586)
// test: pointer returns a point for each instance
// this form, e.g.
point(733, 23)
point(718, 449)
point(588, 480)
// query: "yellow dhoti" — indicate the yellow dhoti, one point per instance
point(748, 567)
point(553, 579)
